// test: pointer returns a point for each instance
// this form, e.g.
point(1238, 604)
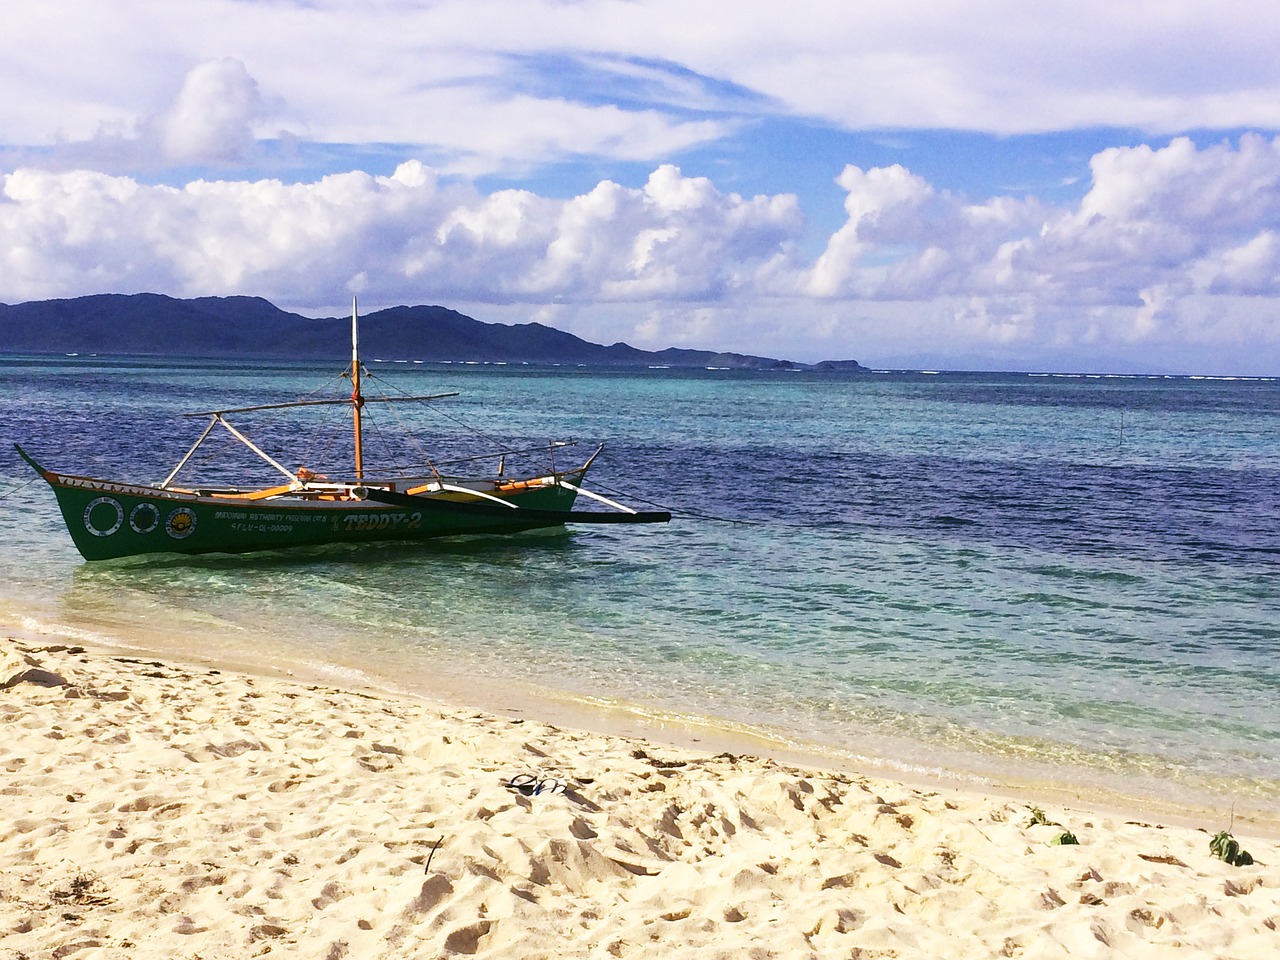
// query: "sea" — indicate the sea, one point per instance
point(997, 577)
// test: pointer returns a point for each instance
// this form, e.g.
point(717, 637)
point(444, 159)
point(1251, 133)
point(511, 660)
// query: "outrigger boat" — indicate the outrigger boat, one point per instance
point(109, 519)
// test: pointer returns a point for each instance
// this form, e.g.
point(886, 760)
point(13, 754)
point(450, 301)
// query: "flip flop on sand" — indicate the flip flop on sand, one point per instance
point(526, 783)
point(530, 786)
point(549, 785)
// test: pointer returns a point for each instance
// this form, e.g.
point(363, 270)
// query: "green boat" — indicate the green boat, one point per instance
point(109, 518)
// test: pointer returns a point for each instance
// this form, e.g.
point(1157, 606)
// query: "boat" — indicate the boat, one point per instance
point(108, 519)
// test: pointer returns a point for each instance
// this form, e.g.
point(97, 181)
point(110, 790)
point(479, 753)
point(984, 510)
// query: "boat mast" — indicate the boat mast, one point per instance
point(357, 400)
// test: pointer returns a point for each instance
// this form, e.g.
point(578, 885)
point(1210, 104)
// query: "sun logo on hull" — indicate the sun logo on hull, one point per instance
point(181, 523)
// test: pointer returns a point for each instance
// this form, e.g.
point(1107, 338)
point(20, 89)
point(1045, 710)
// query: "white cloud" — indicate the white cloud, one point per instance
point(453, 77)
point(1159, 234)
point(1250, 268)
point(677, 237)
point(212, 120)
point(1170, 249)
point(479, 133)
point(1175, 218)
point(883, 207)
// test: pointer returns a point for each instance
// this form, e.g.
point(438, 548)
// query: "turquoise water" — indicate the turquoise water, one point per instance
point(958, 571)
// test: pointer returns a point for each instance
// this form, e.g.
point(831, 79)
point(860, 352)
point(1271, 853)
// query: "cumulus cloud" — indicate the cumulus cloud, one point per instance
point(1174, 213)
point(213, 121)
point(675, 238)
point(1171, 246)
point(884, 207)
point(1158, 229)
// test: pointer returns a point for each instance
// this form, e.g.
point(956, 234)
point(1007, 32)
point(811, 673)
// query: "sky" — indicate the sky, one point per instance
point(1081, 185)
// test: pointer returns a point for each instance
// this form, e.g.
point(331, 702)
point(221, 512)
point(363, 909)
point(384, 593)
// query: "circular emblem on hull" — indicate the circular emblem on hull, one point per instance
point(144, 518)
point(181, 523)
point(103, 516)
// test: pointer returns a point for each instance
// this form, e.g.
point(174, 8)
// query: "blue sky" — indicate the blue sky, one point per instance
point(990, 184)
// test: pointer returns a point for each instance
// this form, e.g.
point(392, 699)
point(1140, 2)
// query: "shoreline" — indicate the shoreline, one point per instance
point(1010, 778)
point(174, 808)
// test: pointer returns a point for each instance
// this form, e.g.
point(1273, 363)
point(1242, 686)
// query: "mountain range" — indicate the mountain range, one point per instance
point(149, 324)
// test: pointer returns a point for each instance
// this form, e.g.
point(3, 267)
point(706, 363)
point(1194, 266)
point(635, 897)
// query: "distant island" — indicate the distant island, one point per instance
point(149, 324)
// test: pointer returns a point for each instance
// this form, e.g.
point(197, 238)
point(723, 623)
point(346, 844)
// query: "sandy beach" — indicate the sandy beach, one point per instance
point(156, 809)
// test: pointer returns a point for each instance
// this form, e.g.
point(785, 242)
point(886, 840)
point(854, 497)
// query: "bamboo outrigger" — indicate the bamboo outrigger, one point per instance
point(109, 519)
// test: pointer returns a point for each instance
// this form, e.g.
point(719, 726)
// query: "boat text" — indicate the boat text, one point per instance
point(384, 521)
point(245, 521)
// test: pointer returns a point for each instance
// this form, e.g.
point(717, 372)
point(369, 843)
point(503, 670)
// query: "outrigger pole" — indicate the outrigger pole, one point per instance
point(357, 401)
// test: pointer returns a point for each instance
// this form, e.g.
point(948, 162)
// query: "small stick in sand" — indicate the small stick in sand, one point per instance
point(427, 868)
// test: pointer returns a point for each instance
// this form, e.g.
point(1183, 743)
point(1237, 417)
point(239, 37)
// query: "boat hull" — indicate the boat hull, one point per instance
point(107, 520)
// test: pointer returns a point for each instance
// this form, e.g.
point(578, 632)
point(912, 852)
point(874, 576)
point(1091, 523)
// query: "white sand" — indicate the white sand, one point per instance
point(154, 810)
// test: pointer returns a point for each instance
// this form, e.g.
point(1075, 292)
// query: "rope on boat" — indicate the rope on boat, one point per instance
point(405, 432)
point(9, 493)
point(504, 447)
point(496, 441)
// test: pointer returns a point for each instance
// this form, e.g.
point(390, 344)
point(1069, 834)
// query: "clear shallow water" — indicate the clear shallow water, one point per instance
point(983, 570)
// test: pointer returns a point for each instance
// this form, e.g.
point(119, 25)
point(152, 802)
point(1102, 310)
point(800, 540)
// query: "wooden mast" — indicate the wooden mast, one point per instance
point(357, 401)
